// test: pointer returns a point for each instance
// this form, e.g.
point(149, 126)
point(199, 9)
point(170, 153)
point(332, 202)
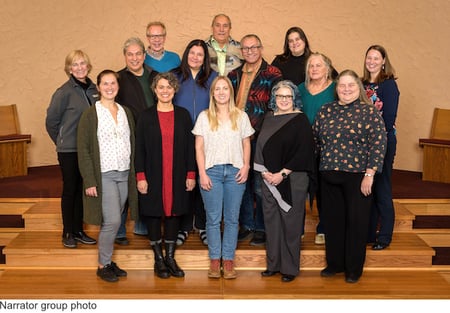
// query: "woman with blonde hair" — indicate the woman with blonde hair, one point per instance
point(67, 105)
point(222, 144)
point(317, 89)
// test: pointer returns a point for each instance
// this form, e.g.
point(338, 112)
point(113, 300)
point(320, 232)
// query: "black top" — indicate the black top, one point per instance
point(293, 68)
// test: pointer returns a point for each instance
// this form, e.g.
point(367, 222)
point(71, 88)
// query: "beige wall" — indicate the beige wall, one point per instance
point(35, 37)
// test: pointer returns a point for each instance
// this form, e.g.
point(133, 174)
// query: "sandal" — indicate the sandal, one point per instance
point(182, 236)
point(203, 237)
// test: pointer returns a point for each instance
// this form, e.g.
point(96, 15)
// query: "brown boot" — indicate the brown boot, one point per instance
point(214, 269)
point(228, 269)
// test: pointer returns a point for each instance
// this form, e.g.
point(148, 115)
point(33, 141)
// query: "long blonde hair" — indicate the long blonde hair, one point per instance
point(234, 112)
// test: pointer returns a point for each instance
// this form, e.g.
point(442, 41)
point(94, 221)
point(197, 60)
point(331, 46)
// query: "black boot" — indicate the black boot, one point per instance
point(174, 269)
point(161, 269)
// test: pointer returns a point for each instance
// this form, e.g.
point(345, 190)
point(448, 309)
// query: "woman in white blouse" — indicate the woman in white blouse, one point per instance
point(105, 150)
point(222, 144)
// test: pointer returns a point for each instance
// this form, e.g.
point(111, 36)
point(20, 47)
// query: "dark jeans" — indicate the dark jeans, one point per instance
point(197, 214)
point(383, 213)
point(72, 193)
point(251, 213)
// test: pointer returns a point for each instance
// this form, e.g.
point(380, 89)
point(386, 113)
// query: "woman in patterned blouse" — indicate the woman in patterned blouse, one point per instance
point(351, 140)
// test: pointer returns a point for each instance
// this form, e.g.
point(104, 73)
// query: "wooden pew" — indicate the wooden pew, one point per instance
point(13, 144)
point(436, 149)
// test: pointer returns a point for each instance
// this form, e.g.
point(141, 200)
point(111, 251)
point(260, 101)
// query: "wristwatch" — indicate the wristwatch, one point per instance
point(284, 175)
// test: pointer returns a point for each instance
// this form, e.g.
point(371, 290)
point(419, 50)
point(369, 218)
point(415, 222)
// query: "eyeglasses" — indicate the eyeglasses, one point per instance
point(248, 49)
point(284, 97)
point(156, 36)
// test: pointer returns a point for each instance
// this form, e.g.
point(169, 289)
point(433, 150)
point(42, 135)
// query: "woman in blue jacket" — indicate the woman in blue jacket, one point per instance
point(195, 77)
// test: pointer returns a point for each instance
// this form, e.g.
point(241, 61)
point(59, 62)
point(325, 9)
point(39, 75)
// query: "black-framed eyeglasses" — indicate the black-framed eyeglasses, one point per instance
point(284, 97)
point(248, 49)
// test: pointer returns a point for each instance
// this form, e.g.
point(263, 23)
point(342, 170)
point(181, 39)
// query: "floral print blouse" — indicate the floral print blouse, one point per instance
point(350, 138)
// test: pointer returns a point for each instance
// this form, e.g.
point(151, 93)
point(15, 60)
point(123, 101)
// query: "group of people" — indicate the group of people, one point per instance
point(222, 141)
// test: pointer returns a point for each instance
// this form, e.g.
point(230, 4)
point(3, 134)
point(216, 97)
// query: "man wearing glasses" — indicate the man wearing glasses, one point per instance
point(156, 57)
point(253, 82)
point(224, 51)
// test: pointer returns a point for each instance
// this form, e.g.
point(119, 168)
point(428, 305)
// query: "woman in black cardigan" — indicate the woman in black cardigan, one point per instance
point(165, 171)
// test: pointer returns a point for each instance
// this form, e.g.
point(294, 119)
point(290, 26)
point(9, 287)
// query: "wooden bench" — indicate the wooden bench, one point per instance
point(436, 149)
point(13, 144)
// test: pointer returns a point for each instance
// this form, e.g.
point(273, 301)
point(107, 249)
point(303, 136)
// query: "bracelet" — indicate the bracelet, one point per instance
point(368, 175)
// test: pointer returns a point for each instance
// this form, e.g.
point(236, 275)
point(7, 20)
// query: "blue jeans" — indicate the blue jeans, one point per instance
point(224, 198)
point(139, 226)
point(251, 215)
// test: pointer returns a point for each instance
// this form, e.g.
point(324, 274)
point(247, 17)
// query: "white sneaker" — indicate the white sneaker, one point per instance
point(203, 238)
point(182, 236)
point(320, 239)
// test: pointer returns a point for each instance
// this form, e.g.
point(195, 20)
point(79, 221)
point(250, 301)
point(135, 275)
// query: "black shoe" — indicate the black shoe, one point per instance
point(327, 272)
point(107, 273)
point(244, 234)
point(161, 269)
point(287, 278)
point(83, 238)
point(379, 246)
point(268, 273)
point(123, 241)
point(173, 267)
point(259, 239)
point(69, 241)
point(118, 271)
point(352, 279)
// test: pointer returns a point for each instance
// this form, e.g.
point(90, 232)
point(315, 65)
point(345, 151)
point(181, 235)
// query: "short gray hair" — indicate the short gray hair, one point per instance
point(133, 41)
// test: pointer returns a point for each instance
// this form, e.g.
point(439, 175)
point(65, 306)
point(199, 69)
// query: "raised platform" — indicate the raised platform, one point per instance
point(143, 284)
point(36, 265)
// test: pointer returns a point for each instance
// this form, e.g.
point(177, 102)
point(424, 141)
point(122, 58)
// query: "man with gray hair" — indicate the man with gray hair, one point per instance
point(224, 51)
point(136, 94)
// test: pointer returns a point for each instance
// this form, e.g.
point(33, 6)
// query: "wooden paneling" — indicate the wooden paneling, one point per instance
point(13, 144)
point(436, 149)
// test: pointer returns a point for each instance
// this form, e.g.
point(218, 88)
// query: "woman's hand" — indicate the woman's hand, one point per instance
point(142, 187)
point(205, 182)
point(272, 178)
point(242, 175)
point(91, 192)
point(366, 185)
point(190, 184)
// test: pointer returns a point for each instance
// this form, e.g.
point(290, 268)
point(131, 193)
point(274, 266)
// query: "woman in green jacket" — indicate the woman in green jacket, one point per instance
point(105, 154)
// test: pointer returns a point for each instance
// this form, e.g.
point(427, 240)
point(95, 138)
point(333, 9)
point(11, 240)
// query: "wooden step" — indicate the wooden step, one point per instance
point(46, 215)
point(11, 214)
point(440, 242)
point(436, 239)
point(44, 249)
point(430, 215)
point(143, 284)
